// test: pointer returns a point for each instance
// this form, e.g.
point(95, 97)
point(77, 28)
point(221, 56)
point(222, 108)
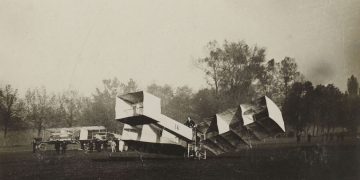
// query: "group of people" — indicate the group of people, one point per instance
point(113, 145)
point(100, 145)
point(35, 144)
point(97, 145)
point(93, 145)
point(60, 146)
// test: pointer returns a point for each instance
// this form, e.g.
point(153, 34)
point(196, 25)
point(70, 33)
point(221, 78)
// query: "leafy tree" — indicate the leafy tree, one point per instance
point(323, 107)
point(40, 109)
point(165, 93)
point(270, 83)
point(71, 106)
point(180, 105)
point(86, 112)
point(112, 86)
point(288, 72)
point(10, 108)
point(60, 111)
point(293, 107)
point(102, 108)
point(350, 112)
point(103, 102)
point(308, 106)
point(242, 66)
point(330, 107)
point(130, 87)
point(211, 65)
point(205, 103)
point(239, 73)
point(234, 69)
point(353, 86)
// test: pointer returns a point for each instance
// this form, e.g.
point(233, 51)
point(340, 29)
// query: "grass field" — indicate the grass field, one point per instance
point(307, 161)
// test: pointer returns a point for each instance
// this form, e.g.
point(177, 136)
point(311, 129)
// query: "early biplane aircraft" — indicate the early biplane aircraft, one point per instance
point(146, 128)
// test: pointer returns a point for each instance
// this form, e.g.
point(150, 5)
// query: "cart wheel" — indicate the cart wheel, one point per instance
point(86, 148)
point(42, 147)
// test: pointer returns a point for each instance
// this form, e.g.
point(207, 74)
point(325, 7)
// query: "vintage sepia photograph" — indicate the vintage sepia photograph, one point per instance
point(180, 89)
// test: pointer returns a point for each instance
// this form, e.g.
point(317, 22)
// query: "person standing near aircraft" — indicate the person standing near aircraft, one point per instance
point(91, 146)
point(189, 123)
point(63, 147)
point(97, 145)
point(57, 146)
point(34, 144)
point(113, 146)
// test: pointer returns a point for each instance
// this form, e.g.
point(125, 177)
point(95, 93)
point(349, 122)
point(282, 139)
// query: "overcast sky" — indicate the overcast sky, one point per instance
point(75, 44)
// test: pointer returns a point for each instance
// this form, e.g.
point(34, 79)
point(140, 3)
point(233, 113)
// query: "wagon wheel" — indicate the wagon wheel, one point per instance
point(42, 147)
point(86, 147)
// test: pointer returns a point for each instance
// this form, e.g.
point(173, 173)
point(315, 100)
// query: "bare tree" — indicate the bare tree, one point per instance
point(71, 105)
point(288, 72)
point(165, 93)
point(9, 109)
point(211, 65)
point(39, 108)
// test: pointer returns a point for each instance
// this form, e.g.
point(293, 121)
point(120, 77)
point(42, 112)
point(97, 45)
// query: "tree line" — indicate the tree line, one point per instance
point(39, 109)
point(323, 109)
point(236, 73)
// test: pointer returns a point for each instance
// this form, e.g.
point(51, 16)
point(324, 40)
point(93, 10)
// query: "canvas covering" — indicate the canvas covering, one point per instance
point(242, 125)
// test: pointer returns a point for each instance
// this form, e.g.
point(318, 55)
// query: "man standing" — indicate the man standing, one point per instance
point(91, 146)
point(113, 146)
point(189, 123)
point(57, 147)
point(63, 147)
point(34, 144)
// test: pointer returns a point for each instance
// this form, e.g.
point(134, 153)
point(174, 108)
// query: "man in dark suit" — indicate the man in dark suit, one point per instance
point(189, 123)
